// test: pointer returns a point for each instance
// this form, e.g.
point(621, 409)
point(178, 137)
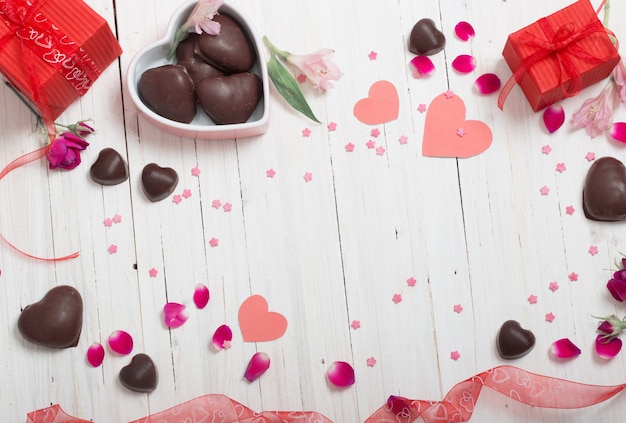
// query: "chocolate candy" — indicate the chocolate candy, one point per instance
point(169, 91)
point(55, 321)
point(140, 375)
point(426, 39)
point(513, 341)
point(158, 182)
point(196, 67)
point(604, 191)
point(109, 168)
point(231, 50)
point(230, 99)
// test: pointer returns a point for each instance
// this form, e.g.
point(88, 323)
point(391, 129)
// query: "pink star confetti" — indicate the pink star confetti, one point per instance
point(593, 250)
point(112, 249)
point(421, 108)
point(307, 176)
point(372, 55)
point(371, 361)
point(380, 150)
point(403, 139)
point(226, 344)
point(455, 355)
point(195, 171)
point(458, 308)
point(570, 210)
point(216, 204)
point(270, 173)
point(460, 132)
point(544, 190)
point(153, 272)
point(186, 193)
point(411, 281)
point(396, 298)
point(301, 78)
point(532, 299)
point(550, 317)
point(108, 222)
point(177, 199)
point(560, 167)
point(449, 94)
point(214, 242)
point(573, 276)
point(370, 144)
point(227, 207)
point(590, 156)
point(546, 149)
point(554, 285)
point(355, 324)
point(349, 147)
point(306, 132)
point(332, 126)
point(117, 218)
point(375, 132)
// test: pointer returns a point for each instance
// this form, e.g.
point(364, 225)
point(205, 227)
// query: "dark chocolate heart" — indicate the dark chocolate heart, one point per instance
point(168, 91)
point(109, 168)
point(426, 39)
point(231, 51)
point(196, 67)
point(140, 375)
point(604, 192)
point(55, 321)
point(158, 182)
point(513, 341)
point(230, 99)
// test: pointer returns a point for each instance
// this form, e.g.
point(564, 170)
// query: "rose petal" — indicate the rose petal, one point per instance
point(222, 334)
point(605, 327)
point(487, 83)
point(95, 354)
point(553, 117)
point(258, 364)
point(341, 374)
point(121, 342)
point(608, 350)
point(464, 63)
point(201, 296)
point(617, 289)
point(618, 131)
point(564, 348)
point(464, 31)
point(175, 315)
point(422, 66)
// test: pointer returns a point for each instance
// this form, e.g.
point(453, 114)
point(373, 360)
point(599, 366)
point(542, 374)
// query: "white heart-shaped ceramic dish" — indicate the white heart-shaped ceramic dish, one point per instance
point(201, 126)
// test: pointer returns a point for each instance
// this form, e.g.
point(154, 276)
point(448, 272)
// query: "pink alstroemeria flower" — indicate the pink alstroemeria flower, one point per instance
point(201, 17)
point(619, 76)
point(317, 67)
point(65, 151)
point(596, 113)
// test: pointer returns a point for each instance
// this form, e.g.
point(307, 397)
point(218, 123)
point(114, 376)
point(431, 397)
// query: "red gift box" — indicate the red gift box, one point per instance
point(559, 55)
point(52, 51)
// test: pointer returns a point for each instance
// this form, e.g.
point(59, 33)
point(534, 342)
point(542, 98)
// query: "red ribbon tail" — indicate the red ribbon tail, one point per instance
point(25, 159)
point(67, 257)
point(506, 89)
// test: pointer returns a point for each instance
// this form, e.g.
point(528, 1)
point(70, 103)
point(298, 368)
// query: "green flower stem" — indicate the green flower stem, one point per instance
point(607, 12)
point(180, 35)
point(281, 54)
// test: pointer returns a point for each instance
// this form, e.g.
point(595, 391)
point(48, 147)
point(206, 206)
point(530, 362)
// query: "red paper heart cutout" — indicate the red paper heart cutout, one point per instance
point(448, 134)
point(257, 323)
point(382, 104)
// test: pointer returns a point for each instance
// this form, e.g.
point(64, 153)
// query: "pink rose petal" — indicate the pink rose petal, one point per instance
point(201, 296)
point(618, 131)
point(95, 354)
point(258, 364)
point(341, 374)
point(422, 66)
point(553, 117)
point(175, 315)
point(564, 348)
point(121, 342)
point(607, 350)
point(222, 335)
point(464, 63)
point(487, 83)
point(464, 31)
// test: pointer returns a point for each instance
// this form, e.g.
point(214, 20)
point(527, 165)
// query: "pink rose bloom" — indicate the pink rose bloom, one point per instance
point(317, 67)
point(619, 76)
point(65, 151)
point(596, 113)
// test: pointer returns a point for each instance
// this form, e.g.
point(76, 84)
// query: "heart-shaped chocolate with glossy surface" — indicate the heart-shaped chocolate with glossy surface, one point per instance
point(169, 91)
point(140, 375)
point(230, 99)
point(55, 321)
point(109, 168)
point(196, 67)
point(158, 182)
point(604, 191)
point(426, 39)
point(514, 341)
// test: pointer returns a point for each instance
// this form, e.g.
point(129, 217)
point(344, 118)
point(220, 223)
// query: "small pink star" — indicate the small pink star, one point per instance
point(403, 139)
point(532, 299)
point(226, 344)
point(195, 171)
point(332, 126)
point(370, 144)
point(301, 78)
point(550, 317)
point(213, 242)
point(349, 147)
point(544, 190)
point(546, 149)
point(593, 250)
point(458, 308)
point(355, 324)
point(375, 132)
point(455, 355)
point(449, 94)
point(421, 108)
point(573, 276)
point(380, 150)
point(569, 210)
point(560, 167)
point(307, 176)
point(554, 285)
point(227, 207)
point(153, 272)
point(112, 249)
point(306, 132)
point(216, 204)
point(372, 55)
point(460, 132)
point(411, 281)
point(108, 222)
point(117, 218)
point(371, 361)
point(396, 298)
point(270, 173)
point(590, 156)
point(186, 193)
point(177, 199)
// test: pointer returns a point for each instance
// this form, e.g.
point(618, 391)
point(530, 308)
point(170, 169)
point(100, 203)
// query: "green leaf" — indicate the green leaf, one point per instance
point(288, 87)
